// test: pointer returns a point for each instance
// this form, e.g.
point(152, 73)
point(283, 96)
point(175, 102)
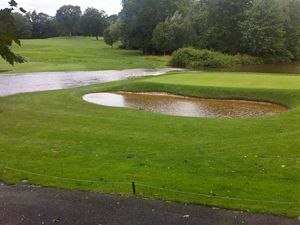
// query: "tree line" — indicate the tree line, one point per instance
point(68, 21)
point(264, 28)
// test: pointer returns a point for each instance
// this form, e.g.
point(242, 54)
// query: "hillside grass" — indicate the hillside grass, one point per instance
point(78, 54)
point(244, 164)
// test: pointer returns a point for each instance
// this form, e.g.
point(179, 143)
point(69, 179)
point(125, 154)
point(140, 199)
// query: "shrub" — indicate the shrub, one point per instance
point(248, 60)
point(199, 58)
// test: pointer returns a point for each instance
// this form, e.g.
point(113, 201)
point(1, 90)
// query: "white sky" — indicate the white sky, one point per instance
point(50, 6)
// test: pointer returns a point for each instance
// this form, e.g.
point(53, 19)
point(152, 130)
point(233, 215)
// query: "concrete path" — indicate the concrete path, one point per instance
point(31, 205)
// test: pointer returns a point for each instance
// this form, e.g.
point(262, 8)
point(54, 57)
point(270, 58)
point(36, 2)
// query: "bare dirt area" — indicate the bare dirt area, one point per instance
point(32, 205)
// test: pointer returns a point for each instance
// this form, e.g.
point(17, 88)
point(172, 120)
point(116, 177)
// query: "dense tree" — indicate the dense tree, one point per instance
point(142, 16)
point(217, 23)
point(69, 17)
point(263, 30)
point(43, 25)
point(184, 32)
point(93, 22)
point(8, 36)
point(112, 33)
point(255, 27)
point(23, 26)
point(292, 29)
point(164, 37)
point(112, 19)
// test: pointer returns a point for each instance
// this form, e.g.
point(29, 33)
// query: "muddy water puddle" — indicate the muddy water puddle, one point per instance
point(186, 106)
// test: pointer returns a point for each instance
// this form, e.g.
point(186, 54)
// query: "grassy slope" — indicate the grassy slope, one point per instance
point(56, 133)
point(78, 54)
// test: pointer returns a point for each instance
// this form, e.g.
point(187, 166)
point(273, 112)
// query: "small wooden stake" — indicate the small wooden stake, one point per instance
point(133, 188)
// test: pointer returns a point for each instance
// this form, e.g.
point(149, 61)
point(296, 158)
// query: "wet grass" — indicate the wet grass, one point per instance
point(78, 54)
point(245, 164)
point(234, 80)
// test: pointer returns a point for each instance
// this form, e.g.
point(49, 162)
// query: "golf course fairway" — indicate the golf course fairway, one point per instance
point(78, 54)
point(57, 139)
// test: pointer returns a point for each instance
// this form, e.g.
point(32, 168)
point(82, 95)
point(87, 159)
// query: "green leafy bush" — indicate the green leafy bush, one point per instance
point(199, 58)
point(248, 60)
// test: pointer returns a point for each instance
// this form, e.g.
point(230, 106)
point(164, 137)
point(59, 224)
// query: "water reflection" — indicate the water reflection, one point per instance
point(185, 106)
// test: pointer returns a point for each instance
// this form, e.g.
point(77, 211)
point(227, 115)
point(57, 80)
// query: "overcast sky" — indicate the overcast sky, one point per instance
point(50, 6)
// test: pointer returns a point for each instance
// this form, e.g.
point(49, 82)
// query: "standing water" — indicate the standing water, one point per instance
point(32, 82)
point(185, 106)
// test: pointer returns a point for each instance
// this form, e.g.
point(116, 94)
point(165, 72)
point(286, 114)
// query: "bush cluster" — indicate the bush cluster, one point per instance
point(199, 58)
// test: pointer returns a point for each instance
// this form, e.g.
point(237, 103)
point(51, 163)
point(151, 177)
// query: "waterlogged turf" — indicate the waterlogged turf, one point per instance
point(78, 54)
point(244, 164)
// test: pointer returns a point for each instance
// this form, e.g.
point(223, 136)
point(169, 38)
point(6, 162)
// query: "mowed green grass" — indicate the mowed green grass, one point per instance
point(245, 164)
point(238, 80)
point(78, 54)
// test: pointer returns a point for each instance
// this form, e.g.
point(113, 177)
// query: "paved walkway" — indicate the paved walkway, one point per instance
point(31, 205)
